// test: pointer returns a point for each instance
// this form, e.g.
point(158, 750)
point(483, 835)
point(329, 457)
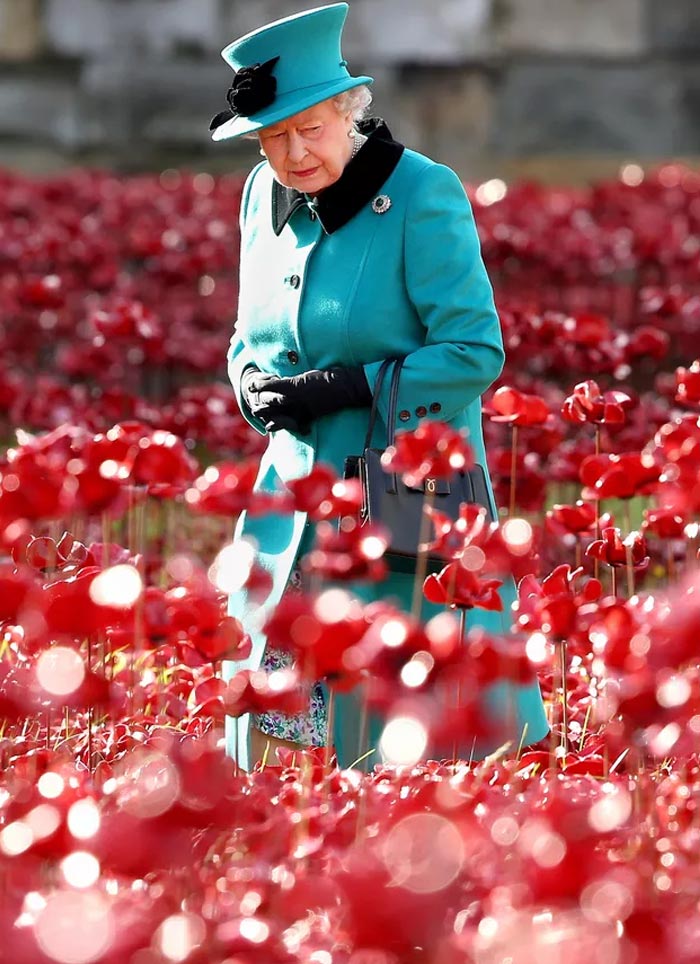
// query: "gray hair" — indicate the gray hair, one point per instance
point(356, 100)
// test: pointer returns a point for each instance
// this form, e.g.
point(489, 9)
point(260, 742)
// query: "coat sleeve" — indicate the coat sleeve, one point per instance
point(447, 284)
point(239, 356)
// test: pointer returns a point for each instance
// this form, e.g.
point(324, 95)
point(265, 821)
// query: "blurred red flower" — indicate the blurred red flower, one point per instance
point(347, 552)
point(688, 384)
point(664, 523)
point(516, 408)
point(619, 476)
point(318, 630)
point(616, 551)
point(260, 692)
point(432, 450)
point(588, 404)
point(552, 606)
point(461, 588)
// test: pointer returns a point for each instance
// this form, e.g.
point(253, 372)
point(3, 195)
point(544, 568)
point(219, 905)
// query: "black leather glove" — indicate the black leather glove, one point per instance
point(293, 403)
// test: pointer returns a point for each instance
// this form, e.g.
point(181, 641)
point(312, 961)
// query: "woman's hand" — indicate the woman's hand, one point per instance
point(293, 403)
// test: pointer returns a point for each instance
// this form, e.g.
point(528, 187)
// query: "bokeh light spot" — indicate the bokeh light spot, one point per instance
point(473, 559)
point(536, 648)
point(80, 869)
point(75, 927)
point(632, 175)
point(179, 935)
point(549, 849)
point(373, 547)
point(84, 819)
point(504, 831)
point(43, 821)
point(150, 784)
point(674, 691)
point(403, 741)
point(517, 534)
point(611, 810)
point(231, 568)
point(423, 853)
point(490, 192)
point(254, 930)
point(416, 671)
point(16, 838)
point(118, 586)
point(60, 670)
point(50, 785)
point(606, 900)
point(394, 633)
point(333, 605)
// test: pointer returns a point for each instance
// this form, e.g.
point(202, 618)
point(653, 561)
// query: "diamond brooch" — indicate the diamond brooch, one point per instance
point(381, 204)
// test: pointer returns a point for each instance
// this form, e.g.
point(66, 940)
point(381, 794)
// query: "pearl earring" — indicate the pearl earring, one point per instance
point(351, 133)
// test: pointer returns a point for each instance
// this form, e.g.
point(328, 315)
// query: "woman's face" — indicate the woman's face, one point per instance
point(309, 150)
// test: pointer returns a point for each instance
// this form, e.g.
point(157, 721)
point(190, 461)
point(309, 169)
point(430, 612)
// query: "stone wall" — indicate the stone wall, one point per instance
point(484, 85)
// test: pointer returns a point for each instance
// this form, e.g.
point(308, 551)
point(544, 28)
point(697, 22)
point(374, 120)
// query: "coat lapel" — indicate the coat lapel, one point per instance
point(357, 186)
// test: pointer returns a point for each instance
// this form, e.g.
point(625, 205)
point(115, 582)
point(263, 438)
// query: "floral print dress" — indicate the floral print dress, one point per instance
point(307, 728)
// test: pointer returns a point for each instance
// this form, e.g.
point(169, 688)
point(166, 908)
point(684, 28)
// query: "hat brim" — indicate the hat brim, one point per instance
point(286, 106)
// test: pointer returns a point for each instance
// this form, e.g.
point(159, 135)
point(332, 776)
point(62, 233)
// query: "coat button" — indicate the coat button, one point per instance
point(293, 281)
point(421, 411)
point(293, 357)
point(435, 408)
point(404, 415)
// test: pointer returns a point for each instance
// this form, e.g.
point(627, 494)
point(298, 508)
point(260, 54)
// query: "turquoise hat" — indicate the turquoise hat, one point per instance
point(283, 68)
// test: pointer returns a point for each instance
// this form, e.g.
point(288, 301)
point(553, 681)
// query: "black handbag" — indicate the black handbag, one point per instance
point(387, 500)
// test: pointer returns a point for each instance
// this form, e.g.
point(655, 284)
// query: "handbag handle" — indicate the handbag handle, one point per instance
point(391, 481)
point(394, 400)
point(374, 411)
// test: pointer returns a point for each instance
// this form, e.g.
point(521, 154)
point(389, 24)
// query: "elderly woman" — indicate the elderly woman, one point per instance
point(353, 250)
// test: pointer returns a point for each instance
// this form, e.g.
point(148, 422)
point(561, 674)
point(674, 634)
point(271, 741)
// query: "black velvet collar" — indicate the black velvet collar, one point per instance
point(358, 184)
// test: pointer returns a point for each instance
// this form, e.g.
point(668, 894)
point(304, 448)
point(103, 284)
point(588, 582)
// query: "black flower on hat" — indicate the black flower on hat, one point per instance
point(253, 89)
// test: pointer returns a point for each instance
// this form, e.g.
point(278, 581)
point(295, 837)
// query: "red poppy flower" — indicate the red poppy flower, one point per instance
point(552, 606)
point(491, 658)
point(619, 476)
point(126, 319)
point(461, 588)
point(351, 551)
point(432, 450)
point(318, 631)
point(19, 588)
point(101, 471)
point(678, 440)
point(324, 496)
point(574, 519)
point(32, 488)
point(71, 609)
point(163, 464)
point(260, 692)
point(43, 292)
point(613, 628)
point(664, 523)
point(615, 551)
point(588, 404)
point(688, 384)
point(227, 489)
point(482, 544)
point(516, 408)
point(228, 640)
point(646, 341)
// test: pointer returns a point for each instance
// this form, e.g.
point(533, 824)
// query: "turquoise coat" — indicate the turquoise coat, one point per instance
point(338, 282)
